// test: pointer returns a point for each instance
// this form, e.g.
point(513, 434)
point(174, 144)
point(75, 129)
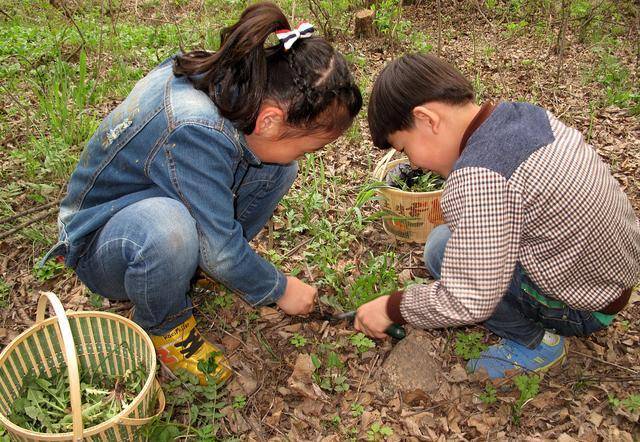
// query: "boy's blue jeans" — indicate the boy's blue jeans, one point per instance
point(519, 316)
point(148, 252)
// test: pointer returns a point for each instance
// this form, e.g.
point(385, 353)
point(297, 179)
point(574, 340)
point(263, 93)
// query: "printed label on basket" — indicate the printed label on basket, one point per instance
point(431, 208)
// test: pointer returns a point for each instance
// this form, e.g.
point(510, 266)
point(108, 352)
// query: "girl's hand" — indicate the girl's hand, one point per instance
point(371, 318)
point(299, 298)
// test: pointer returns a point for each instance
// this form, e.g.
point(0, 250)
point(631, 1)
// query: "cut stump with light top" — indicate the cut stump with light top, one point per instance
point(364, 27)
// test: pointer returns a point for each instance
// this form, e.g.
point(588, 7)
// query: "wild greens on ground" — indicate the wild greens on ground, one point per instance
point(45, 401)
point(404, 177)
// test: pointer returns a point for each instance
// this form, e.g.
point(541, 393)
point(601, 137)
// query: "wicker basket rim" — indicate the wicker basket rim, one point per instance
point(394, 190)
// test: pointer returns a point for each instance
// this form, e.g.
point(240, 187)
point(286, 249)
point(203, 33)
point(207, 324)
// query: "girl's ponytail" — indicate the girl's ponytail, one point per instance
point(310, 80)
point(235, 76)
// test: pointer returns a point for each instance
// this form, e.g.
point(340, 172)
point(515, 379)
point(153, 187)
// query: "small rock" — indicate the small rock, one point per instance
point(411, 365)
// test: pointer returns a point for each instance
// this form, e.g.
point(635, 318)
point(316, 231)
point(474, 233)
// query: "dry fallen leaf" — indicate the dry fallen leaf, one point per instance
point(231, 343)
point(458, 374)
point(301, 380)
point(270, 314)
point(276, 412)
point(595, 419)
point(414, 397)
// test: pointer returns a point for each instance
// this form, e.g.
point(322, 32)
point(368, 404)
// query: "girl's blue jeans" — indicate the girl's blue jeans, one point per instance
point(148, 252)
point(519, 316)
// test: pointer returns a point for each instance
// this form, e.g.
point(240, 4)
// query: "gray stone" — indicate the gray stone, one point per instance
point(412, 365)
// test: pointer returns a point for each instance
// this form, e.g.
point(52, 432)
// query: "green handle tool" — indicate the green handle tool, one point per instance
point(394, 330)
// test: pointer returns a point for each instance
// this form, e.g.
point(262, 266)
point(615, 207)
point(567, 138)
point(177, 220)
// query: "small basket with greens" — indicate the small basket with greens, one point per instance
point(408, 179)
point(411, 199)
point(78, 376)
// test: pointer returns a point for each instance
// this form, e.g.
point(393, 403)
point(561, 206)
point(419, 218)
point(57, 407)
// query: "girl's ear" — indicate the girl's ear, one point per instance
point(425, 116)
point(270, 122)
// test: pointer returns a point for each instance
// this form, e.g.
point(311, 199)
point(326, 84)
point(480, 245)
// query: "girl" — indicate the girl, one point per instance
point(189, 168)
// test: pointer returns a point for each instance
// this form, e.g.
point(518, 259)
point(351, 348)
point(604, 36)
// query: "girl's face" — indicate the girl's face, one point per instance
point(286, 150)
point(270, 143)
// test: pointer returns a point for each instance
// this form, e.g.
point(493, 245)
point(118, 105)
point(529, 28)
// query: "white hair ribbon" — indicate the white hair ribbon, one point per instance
point(288, 37)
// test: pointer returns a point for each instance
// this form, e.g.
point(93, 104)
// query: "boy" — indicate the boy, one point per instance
point(540, 240)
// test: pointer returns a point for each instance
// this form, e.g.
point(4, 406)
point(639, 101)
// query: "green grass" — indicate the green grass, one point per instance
point(618, 88)
point(5, 290)
point(331, 240)
point(528, 386)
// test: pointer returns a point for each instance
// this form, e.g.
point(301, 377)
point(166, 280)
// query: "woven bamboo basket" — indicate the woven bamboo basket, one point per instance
point(411, 215)
point(89, 340)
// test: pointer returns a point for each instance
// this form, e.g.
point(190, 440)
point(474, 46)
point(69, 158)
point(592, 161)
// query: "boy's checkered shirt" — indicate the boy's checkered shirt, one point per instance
point(545, 201)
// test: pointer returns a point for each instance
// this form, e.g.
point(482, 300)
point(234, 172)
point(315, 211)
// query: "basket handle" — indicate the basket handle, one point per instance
point(378, 172)
point(133, 421)
point(70, 356)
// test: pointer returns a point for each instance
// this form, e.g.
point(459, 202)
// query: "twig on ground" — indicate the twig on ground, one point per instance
point(479, 9)
point(5, 261)
point(26, 224)
point(20, 105)
point(373, 364)
point(604, 362)
point(297, 247)
point(276, 430)
point(17, 215)
point(69, 16)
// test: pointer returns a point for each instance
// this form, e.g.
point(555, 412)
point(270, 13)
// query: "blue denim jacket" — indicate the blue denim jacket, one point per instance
point(168, 139)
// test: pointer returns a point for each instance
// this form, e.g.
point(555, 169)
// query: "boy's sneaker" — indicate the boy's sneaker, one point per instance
point(184, 348)
point(508, 355)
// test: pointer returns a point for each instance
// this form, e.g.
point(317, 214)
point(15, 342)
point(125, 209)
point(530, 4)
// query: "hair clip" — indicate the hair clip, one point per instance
point(289, 36)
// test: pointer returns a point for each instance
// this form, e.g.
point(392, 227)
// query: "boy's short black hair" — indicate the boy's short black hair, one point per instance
point(407, 82)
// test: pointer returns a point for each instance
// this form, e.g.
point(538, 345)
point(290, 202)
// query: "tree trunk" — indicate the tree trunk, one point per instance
point(439, 28)
point(364, 23)
point(562, 37)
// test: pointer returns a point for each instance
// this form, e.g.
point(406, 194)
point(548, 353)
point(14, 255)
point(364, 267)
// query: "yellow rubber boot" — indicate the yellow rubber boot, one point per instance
point(184, 347)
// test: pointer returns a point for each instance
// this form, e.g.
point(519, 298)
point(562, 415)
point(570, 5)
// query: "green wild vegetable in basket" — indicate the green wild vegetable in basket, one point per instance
point(408, 179)
point(45, 401)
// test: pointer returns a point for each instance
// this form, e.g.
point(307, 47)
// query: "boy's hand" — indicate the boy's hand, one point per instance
point(372, 319)
point(299, 298)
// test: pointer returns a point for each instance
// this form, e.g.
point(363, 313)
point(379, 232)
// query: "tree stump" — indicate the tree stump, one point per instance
point(364, 23)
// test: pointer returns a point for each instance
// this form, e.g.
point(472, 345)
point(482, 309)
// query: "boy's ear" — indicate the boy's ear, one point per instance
point(270, 121)
point(426, 116)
